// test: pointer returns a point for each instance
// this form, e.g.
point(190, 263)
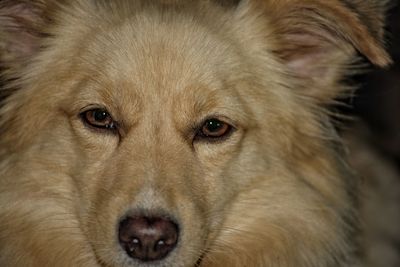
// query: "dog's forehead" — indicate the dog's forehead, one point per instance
point(175, 65)
point(160, 58)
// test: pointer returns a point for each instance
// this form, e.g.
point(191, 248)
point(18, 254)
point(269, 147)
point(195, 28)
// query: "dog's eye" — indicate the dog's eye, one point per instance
point(214, 129)
point(98, 118)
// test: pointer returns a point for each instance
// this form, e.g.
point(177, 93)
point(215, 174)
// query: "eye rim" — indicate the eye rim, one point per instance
point(107, 124)
point(222, 135)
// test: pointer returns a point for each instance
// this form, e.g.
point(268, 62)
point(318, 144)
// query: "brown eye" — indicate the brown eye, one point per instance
point(98, 118)
point(214, 128)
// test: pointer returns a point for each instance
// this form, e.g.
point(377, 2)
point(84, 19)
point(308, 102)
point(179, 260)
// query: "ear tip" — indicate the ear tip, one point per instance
point(382, 60)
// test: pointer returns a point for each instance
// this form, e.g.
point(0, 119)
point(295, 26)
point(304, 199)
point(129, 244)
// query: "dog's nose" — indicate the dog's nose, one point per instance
point(148, 238)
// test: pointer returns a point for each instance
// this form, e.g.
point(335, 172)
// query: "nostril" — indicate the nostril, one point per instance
point(148, 238)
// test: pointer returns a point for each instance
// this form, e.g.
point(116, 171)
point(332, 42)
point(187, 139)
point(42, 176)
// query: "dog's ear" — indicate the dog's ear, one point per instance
point(20, 36)
point(318, 40)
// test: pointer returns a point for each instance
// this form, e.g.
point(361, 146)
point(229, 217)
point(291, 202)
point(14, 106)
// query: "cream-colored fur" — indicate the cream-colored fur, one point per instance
point(276, 192)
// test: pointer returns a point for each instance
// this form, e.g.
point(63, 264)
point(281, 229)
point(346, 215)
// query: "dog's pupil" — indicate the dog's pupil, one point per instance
point(214, 125)
point(100, 115)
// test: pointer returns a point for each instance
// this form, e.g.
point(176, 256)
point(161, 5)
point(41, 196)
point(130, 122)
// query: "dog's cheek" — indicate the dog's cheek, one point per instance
point(74, 157)
point(215, 161)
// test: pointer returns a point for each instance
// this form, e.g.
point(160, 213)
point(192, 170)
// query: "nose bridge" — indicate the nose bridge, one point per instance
point(166, 156)
point(156, 158)
point(160, 144)
point(164, 140)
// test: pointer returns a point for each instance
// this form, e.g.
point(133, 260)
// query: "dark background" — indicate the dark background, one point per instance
point(377, 101)
point(377, 104)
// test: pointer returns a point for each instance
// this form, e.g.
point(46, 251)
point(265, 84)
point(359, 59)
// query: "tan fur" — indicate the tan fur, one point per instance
point(276, 193)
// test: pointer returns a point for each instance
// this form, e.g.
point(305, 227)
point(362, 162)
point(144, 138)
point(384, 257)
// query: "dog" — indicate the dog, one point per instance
point(180, 132)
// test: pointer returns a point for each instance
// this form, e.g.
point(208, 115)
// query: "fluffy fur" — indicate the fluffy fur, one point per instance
point(276, 192)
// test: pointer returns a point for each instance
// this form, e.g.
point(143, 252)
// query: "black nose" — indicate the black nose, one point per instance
point(148, 238)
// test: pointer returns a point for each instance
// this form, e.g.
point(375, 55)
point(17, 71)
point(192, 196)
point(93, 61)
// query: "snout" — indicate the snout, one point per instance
point(149, 227)
point(148, 238)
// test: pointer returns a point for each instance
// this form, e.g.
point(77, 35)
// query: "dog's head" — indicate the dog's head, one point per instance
point(150, 122)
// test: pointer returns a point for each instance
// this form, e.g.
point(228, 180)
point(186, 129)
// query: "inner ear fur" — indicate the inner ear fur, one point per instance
point(20, 35)
point(335, 22)
point(318, 40)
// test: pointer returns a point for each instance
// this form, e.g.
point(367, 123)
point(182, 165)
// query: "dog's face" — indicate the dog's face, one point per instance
point(150, 121)
point(154, 118)
point(160, 128)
